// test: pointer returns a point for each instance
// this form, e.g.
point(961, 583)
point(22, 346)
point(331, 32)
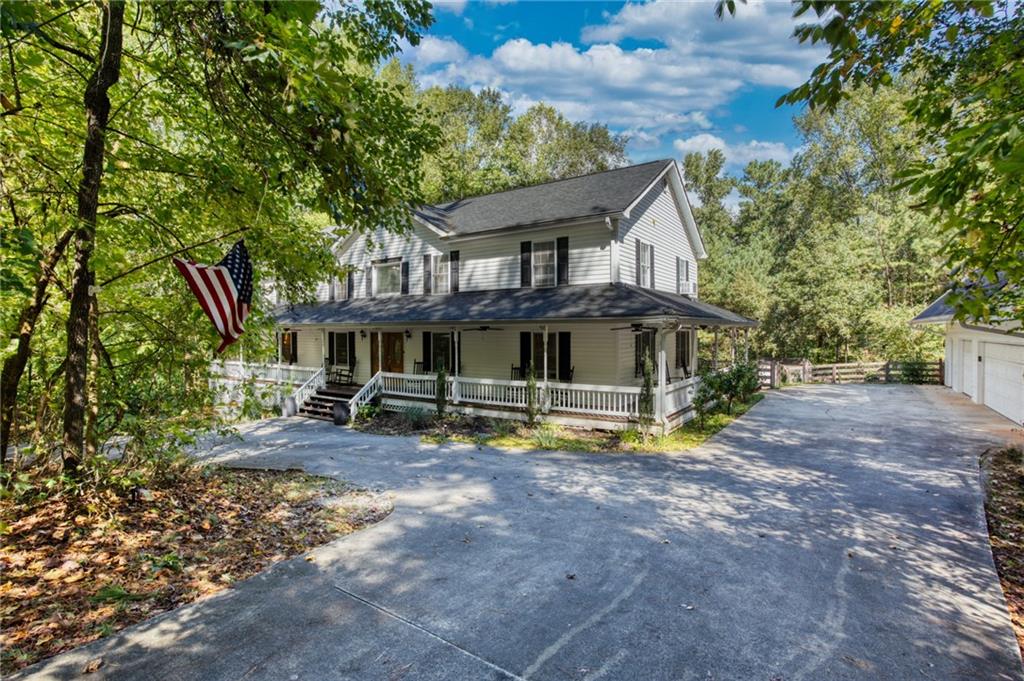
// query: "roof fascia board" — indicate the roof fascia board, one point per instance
point(643, 193)
point(433, 228)
point(682, 205)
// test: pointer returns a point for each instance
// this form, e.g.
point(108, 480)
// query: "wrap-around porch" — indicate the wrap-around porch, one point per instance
point(587, 362)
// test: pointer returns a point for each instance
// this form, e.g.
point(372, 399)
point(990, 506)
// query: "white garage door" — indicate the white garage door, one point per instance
point(1004, 380)
point(968, 365)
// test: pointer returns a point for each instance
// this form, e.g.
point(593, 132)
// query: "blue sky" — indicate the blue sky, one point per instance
point(668, 74)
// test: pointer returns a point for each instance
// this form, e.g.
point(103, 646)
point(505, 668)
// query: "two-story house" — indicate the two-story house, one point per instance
point(579, 278)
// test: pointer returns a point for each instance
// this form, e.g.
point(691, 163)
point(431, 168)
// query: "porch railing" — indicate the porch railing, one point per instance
point(306, 390)
point(679, 395)
point(366, 394)
point(267, 372)
point(600, 400)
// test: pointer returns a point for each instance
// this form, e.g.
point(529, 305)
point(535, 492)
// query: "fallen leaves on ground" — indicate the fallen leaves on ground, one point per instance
point(1004, 508)
point(75, 573)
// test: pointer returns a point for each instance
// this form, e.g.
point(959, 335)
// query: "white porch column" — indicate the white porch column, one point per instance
point(380, 351)
point(732, 343)
point(323, 347)
point(544, 401)
point(714, 355)
point(659, 398)
point(746, 345)
point(694, 362)
point(455, 366)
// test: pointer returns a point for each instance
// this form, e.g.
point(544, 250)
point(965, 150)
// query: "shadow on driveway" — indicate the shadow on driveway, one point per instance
point(834, 532)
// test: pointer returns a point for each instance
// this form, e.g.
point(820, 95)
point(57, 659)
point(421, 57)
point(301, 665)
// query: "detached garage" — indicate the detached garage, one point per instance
point(983, 361)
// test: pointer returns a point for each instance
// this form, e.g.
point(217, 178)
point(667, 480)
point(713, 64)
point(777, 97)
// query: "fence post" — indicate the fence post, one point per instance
point(942, 372)
point(835, 378)
point(808, 376)
point(775, 374)
point(886, 368)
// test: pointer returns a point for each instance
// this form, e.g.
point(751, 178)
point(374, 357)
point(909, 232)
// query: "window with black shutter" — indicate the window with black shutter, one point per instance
point(350, 283)
point(643, 344)
point(563, 260)
point(290, 347)
point(526, 265)
point(683, 359)
point(428, 273)
point(453, 258)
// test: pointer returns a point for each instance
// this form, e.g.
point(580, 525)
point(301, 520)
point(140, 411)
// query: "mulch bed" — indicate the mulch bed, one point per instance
point(1004, 508)
point(73, 574)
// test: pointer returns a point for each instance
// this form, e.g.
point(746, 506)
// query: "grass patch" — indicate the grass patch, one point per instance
point(1004, 510)
point(512, 435)
point(74, 571)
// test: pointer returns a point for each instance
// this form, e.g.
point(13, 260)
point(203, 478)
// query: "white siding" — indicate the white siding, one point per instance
point(486, 263)
point(656, 220)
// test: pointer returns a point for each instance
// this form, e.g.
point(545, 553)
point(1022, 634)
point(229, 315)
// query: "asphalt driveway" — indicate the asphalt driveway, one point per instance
point(834, 532)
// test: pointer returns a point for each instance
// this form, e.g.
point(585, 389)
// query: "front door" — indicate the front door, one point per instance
point(391, 351)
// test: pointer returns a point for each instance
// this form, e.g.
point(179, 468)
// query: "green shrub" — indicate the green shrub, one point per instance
point(745, 380)
point(708, 392)
point(546, 437)
point(441, 393)
point(532, 408)
point(417, 417)
point(645, 405)
point(914, 371)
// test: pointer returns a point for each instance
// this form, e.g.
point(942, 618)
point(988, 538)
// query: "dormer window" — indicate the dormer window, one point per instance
point(543, 263)
point(387, 278)
point(442, 273)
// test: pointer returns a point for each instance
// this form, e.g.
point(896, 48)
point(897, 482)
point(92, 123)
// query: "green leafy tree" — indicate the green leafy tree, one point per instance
point(532, 403)
point(441, 391)
point(645, 403)
point(200, 119)
point(966, 60)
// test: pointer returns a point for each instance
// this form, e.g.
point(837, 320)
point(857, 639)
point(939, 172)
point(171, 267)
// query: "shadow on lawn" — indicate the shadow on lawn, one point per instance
point(814, 538)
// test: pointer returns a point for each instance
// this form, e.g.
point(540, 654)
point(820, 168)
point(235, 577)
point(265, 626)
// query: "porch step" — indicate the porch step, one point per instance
point(320, 405)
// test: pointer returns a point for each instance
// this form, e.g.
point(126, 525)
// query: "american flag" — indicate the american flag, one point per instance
point(224, 291)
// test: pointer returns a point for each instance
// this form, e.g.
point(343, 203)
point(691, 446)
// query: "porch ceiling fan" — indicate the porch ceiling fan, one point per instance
point(485, 327)
point(635, 328)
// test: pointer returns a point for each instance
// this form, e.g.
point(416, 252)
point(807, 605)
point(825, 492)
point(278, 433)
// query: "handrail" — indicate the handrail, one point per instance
point(314, 383)
point(365, 395)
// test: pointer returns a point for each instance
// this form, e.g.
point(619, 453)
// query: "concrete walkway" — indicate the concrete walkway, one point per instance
point(834, 532)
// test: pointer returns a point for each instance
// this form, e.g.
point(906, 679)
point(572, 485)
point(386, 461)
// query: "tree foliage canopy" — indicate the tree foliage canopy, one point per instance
point(221, 116)
point(965, 62)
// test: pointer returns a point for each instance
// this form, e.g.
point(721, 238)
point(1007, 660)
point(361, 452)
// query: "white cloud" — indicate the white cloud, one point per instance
point(736, 155)
point(433, 50)
point(690, 67)
point(453, 6)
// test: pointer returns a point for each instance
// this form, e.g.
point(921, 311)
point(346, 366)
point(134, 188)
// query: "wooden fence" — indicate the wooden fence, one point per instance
point(775, 373)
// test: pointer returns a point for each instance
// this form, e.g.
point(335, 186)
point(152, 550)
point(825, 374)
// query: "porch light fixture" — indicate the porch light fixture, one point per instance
point(362, 333)
point(408, 334)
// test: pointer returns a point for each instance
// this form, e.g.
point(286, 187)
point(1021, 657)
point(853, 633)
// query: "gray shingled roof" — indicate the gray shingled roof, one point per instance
point(594, 195)
point(601, 301)
point(938, 311)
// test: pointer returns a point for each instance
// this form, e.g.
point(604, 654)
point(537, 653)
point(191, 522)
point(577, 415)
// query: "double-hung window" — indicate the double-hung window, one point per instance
point(544, 263)
point(684, 359)
point(441, 275)
point(645, 265)
point(387, 278)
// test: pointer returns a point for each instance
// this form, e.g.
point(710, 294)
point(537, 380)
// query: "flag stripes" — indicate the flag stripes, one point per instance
point(224, 291)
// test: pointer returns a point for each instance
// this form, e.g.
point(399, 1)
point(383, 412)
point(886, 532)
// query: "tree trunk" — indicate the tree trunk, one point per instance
point(92, 391)
point(97, 112)
point(14, 365)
